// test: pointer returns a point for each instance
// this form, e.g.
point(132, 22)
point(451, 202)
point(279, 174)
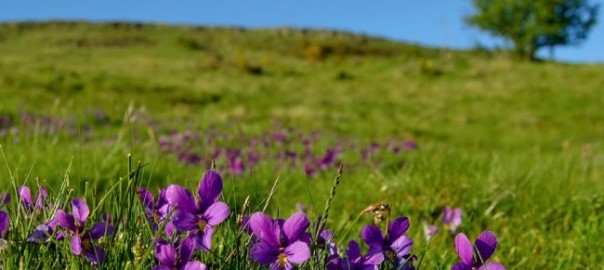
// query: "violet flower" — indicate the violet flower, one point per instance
point(395, 246)
point(43, 232)
point(4, 224)
point(474, 256)
point(155, 211)
point(429, 230)
point(171, 257)
point(82, 240)
point(280, 245)
point(355, 261)
point(4, 199)
point(452, 218)
point(199, 218)
point(26, 198)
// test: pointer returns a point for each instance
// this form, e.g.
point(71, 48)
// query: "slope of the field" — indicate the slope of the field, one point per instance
point(518, 145)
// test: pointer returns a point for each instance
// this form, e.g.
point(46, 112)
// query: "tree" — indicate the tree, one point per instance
point(531, 25)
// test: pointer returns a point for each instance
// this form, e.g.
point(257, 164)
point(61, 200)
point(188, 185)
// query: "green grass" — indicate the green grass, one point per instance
point(517, 145)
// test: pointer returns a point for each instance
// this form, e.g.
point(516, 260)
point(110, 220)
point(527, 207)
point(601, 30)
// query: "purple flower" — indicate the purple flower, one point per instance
point(200, 217)
point(328, 159)
point(4, 223)
point(475, 256)
point(410, 145)
point(429, 230)
point(325, 241)
point(4, 199)
point(82, 240)
point(43, 232)
point(280, 244)
point(355, 261)
point(171, 257)
point(156, 211)
point(396, 246)
point(452, 218)
point(26, 198)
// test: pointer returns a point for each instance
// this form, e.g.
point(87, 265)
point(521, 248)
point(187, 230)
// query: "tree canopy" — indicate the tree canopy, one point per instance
point(531, 25)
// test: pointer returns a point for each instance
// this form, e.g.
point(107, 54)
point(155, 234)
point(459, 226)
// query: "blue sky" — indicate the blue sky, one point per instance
point(430, 22)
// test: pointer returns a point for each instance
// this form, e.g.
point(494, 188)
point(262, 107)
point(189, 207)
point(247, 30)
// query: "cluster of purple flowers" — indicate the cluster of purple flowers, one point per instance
point(287, 148)
point(184, 224)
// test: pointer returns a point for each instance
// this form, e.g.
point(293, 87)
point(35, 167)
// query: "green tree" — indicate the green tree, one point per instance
point(531, 25)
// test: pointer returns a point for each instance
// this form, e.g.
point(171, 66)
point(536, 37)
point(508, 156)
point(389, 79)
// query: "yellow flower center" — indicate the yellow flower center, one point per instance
point(282, 259)
point(202, 225)
point(86, 244)
point(389, 254)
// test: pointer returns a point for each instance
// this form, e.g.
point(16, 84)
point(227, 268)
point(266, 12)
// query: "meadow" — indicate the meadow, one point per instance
point(105, 112)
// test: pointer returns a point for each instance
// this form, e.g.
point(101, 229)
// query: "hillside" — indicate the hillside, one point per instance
point(517, 145)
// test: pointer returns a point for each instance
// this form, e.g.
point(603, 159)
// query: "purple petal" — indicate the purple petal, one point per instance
point(25, 196)
point(185, 221)
point(194, 265)
point(146, 198)
point(166, 255)
point(372, 236)
point(297, 252)
point(76, 245)
point(209, 189)
point(160, 267)
point(295, 226)
point(217, 213)
point(326, 236)
point(181, 198)
point(66, 220)
point(4, 223)
point(264, 253)
point(375, 256)
point(42, 195)
point(95, 255)
point(402, 246)
point(204, 239)
point(494, 266)
point(486, 243)
point(461, 266)
point(398, 227)
point(447, 215)
point(265, 228)
point(464, 248)
point(354, 251)
point(187, 247)
point(80, 210)
point(99, 230)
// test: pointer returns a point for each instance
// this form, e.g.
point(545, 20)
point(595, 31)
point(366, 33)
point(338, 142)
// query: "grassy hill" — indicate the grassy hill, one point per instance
point(518, 145)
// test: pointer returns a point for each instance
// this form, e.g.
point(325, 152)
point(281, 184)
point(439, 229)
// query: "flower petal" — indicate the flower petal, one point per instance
point(209, 189)
point(486, 243)
point(80, 210)
point(25, 196)
point(354, 251)
point(42, 195)
point(372, 236)
point(4, 223)
point(264, 253)
point(76, 245)
point(185, 221)
point(186, 249)
point(66, 220)
point(398, 227)
point(95, 255)
point(402, 246)
point(181, 198)
point(166, 255)
point(298, 252)
point(295, 226)
point(494, 266)
point(465, 249)
point(99, 230)
point(204, 239)
point(217, 213)
point(146, 198)
point(194, 265)
point(375, 256)
point(461, 266)
point(265, 228)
